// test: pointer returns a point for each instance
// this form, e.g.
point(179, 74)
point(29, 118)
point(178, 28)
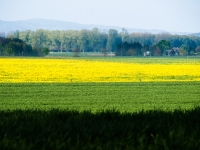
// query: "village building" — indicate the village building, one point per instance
point(175, 51)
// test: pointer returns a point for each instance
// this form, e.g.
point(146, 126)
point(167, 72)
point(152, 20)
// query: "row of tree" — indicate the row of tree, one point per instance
point(17, 47)
point(122, 43)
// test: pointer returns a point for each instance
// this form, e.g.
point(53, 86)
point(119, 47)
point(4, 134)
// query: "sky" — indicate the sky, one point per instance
point(169, 15)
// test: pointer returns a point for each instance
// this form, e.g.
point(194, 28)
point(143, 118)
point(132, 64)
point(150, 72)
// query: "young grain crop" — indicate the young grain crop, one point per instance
point(130, 97)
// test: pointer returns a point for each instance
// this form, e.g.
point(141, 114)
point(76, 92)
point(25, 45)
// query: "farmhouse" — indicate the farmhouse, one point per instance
point(147, 53)
point(175, 51)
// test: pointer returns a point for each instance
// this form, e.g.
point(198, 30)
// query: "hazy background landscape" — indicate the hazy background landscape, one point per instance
point(155, 16)
point(35, 24)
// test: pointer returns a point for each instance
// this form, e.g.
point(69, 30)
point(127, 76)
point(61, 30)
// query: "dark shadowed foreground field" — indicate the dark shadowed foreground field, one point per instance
point(62, 129)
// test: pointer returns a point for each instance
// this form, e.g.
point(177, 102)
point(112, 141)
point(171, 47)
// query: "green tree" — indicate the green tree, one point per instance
point(112, 39)
point(131, 52)
point(16, 45)
point(76, 52)
point(1, 50)
point(183, 50)
point(37, 38)
point(105, 52)
point(83, 40)
point(27, 49)
point(102, 40)
point(157, 51)
point(94, 40)
point(63, 40)
point(13, 46)
point(54, 37)
point(163, 46)
point(8, 51)
point(124, 36)
point(36, 51)
point(45, 51)
point(197, 49)
point(16, 34)
point(24, 36)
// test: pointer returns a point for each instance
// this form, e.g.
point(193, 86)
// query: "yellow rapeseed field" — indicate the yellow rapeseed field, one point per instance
point(18, 70)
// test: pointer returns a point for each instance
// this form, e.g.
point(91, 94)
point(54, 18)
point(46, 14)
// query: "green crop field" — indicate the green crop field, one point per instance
point(150, 115)
point(100, 54)
point(97, 56)
point(125, 97)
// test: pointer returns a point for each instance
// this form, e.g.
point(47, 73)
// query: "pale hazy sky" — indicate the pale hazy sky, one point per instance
point(170, 15)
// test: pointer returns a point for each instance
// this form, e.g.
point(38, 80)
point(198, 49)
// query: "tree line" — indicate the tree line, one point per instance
point(121, 43)
point(17, 47)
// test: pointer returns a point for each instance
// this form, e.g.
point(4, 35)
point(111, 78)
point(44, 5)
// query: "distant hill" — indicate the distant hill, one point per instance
point(34, 24)
point(196, 34)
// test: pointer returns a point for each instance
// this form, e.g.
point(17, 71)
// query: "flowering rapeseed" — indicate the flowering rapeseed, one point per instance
point(69, 70)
